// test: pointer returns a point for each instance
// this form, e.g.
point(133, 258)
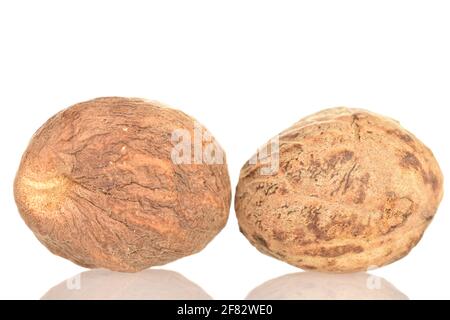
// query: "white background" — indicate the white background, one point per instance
point(247, 70)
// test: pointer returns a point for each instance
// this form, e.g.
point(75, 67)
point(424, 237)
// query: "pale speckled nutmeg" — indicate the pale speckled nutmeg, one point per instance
point(97, 185)
point(354, 191)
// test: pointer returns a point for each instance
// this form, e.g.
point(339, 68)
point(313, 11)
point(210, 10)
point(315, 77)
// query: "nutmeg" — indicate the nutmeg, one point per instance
point(101, 185)
point(353, 191)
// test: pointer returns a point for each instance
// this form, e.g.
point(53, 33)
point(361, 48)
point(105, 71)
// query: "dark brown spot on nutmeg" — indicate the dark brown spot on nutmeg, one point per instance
point(388, 253)
point(361, 193)
point(347, 155)
point(260, 240)
point(361, 196)
point(334, 252)
point(308, 267)
point(409, 160)
point(314, 226)
point(331, 263)
point(279, 235)
point(402, 136)
point(340, 157)
point(291, 136)
point(357, 229)
point(432, 180)
point(300, 238)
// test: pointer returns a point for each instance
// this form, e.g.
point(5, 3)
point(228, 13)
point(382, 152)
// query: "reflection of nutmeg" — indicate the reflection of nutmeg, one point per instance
point(98, 185)
point(324, 286)
point(151, 284)
point(354, 190)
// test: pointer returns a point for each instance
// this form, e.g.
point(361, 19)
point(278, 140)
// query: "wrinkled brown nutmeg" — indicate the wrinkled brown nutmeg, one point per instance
point(98, 185)
point(353, 191)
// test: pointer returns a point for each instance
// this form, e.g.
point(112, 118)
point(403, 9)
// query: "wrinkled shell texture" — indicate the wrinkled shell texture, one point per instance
point(354, 191)
point(97, 186)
